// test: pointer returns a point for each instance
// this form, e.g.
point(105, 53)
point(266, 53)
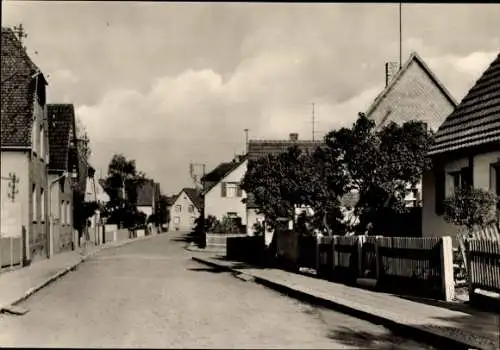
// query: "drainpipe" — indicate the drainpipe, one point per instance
point(50, 250)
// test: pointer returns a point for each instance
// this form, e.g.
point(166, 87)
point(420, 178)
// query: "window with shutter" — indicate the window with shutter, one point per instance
point(223, 189)
point(239, 191)
point(439, 184)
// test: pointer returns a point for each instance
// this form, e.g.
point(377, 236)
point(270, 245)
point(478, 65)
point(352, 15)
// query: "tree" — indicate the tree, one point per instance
point(381, 164)
point(121, 185)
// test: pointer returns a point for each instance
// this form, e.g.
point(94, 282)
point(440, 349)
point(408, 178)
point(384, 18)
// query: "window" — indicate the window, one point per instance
point(61, 185)
point(230, 189)
point(42, 144)
point(34, 135)
point(34, 203)
point(42, 204)
point(192, 220)
point(61, 212)
point(68, 213)
point(177, 220)
point(178, 208)
point(458, 179)
point(191, 208)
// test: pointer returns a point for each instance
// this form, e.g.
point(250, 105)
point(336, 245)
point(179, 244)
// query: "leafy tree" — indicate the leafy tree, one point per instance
point(381, 164)
point(121, 185)
point(162, 214)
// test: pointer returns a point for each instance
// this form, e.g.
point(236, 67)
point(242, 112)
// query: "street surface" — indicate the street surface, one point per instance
point(152, 294)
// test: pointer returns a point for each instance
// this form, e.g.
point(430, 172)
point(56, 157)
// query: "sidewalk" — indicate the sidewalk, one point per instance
point(19, 284)
point(467, 328)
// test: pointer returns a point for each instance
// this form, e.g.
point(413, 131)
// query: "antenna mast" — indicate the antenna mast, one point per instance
point(400, 38)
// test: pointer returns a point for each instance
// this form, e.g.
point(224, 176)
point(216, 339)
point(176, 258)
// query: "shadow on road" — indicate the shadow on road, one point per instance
point(207, 269)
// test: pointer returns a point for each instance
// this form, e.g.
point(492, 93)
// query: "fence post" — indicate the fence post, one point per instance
point(377, 258)
point(447, 276)
point(361, 240)
point(467, 250)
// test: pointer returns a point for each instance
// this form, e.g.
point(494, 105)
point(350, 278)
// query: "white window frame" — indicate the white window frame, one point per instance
point(68, 213)
point(178, 208)
point(231, 190)
point(34, 203)
point(191, 208)
point(42, 204)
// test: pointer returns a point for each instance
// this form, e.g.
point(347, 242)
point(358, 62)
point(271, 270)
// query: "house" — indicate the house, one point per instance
point(222, 193)
point(466, 150)
point(186, 208)
point(411, 93)
point(63, 161)
point(94, 192)
point(24, 150)
point(147, 197)
point(261, 148)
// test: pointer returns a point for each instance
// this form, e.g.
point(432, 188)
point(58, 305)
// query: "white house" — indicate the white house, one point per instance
point(466, 151)
point(24, 154)
point(222, 193)
point(185, 209)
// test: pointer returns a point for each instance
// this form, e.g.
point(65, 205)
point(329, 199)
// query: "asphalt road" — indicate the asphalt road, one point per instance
point(152, 294)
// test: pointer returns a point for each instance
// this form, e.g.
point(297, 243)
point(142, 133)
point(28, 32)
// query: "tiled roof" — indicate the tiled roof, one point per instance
point(195, 197)
point(220, 172)
point(17, 92)
point(476, 120)
point(61, 131)
point(145, 194)
point(261, 148)
point(413, 59)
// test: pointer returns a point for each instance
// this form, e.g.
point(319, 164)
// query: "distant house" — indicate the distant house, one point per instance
point(24, 150)
point(411, 93)
point(63, 161)
point(186, 208)
point(147, 197)
point(261, 148)
point(466, 151)
point(94, 192)
point(222, 192)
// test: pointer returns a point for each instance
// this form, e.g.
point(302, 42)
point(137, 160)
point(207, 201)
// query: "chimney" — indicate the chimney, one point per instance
point(391, 68)
point(294, 137)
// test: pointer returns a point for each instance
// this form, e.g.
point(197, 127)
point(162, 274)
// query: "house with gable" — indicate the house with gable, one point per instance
point(261, 148)
point(466, 151)
point(411, 93)
point(24, 151)
point(147, 197)
point(63, 161)
point(186, 208)
point(222, 192)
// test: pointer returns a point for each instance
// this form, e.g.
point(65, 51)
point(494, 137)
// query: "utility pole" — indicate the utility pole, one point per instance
point(246, 140)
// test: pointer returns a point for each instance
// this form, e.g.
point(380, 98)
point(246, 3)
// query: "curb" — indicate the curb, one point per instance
point(65, 270)
point(419, 333)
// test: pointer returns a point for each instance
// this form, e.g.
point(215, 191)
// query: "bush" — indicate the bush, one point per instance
point(227, 225)
point(258, 229)
point(471, 207)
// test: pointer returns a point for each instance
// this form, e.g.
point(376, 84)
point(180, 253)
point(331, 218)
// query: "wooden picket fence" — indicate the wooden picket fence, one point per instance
point(394, 264)
point(483, 259)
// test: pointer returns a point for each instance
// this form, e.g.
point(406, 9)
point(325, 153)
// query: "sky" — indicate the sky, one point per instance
point(169, 83)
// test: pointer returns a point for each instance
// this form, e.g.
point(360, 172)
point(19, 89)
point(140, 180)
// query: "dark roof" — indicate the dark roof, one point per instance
point(145, 194)
point(220, 172)
point(61, 119)
point(17, 92)
point(261, 148)
point(195, 197)
point(476, 120)
point(414, 58)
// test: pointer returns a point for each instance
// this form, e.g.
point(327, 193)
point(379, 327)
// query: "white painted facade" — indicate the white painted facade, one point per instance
point(483, 177)
point(219, 206)
point(183, 214)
